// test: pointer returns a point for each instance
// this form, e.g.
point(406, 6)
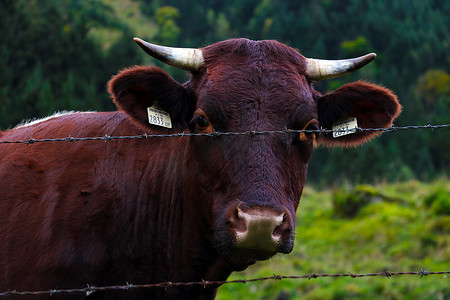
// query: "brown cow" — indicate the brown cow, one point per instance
point(175, 209)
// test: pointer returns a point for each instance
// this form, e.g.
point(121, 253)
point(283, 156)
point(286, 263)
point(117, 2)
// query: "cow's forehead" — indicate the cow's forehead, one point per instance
point(259, 68)
point(253, 51)
point(247, 77)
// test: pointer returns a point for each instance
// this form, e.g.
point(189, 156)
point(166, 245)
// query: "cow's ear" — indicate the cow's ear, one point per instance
point(137, 88)
point(373, 106)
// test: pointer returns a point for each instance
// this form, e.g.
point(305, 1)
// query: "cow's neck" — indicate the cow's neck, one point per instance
point(166, 226)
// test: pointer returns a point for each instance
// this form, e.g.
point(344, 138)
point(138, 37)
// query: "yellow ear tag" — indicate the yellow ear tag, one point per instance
point(344, 127)
point(158, 117)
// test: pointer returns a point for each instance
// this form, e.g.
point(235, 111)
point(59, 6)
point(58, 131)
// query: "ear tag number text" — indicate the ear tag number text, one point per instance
point(344, 127)
point(158, 117)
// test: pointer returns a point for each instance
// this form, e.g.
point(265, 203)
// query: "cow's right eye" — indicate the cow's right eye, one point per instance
point(308, 136)
point(200, 122)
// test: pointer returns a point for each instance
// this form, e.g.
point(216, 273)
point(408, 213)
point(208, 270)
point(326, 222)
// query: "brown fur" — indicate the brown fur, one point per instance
point(156, 210)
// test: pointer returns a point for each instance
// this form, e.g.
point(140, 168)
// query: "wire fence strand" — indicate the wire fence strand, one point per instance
point(106, 137)
point(89, 289)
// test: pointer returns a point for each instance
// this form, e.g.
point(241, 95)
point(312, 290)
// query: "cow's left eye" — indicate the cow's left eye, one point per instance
point(202, 121)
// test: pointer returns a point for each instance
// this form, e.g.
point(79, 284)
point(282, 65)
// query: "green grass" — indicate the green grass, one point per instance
point(397, 227)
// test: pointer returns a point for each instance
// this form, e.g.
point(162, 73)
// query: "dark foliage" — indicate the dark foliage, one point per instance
point(50, 61)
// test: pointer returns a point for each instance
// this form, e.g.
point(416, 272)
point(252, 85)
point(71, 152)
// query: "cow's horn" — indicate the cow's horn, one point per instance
point(183, 58)
point(318, 69)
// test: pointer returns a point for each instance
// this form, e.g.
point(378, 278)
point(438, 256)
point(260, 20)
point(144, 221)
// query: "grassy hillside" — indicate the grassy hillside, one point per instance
point(126, 12)
point(361, 229)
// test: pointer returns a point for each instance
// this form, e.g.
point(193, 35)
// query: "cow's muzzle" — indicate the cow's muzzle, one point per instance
point(261, 231)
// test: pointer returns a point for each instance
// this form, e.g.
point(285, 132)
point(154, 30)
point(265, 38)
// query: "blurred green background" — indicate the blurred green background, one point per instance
point(59, 54)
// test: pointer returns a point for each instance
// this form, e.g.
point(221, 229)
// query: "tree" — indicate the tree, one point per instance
point(50, 61)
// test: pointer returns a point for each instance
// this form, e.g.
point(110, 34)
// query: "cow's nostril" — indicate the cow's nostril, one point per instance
point(238, 224)
point(282, 228)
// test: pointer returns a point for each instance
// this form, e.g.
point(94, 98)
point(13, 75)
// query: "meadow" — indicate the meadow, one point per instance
point(361, 229)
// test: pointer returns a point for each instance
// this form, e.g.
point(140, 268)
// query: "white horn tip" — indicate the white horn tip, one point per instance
point(372, 56)
point(139, 41)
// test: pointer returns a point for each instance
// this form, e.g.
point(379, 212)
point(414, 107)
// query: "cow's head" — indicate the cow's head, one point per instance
point(247, 188)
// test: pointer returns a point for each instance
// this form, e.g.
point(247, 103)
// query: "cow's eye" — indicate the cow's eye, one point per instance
point(202, 121)
point(309, 135)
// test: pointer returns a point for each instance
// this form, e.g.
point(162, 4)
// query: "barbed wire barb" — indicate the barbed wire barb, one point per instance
point(423, 273)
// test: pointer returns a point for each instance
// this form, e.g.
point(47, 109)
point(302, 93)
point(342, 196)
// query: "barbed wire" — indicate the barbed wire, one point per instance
point(106, 137)
point(166, 285)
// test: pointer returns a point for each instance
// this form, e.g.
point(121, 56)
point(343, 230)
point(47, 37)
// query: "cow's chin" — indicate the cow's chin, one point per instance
point(239, 259)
